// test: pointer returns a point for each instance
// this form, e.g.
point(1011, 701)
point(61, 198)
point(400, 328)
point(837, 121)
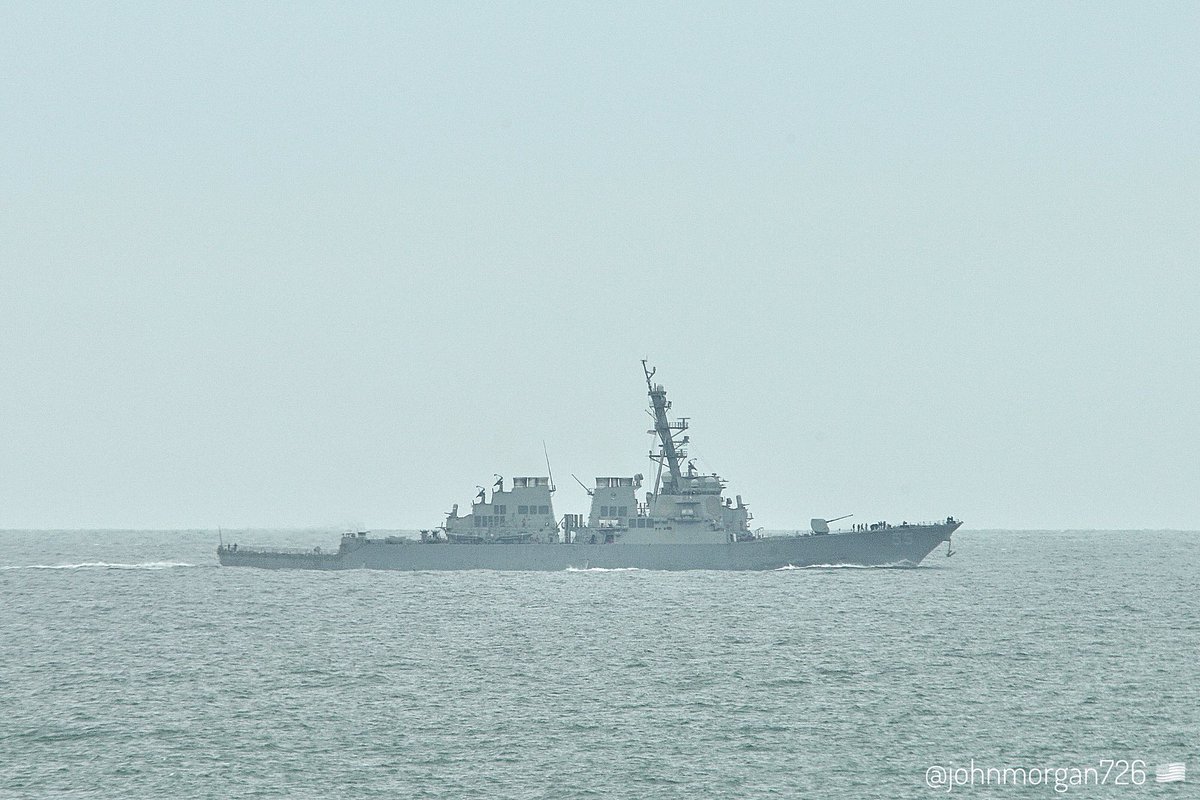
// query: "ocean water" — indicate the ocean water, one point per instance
point(132, 666)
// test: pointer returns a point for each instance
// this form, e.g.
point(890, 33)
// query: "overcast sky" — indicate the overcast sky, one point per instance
point(290, 265)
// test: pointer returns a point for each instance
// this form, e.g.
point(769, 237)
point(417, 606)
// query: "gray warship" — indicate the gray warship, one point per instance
point(685, 522)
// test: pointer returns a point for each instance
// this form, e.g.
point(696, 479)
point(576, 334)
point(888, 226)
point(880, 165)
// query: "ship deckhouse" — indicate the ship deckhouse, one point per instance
point(524, 513)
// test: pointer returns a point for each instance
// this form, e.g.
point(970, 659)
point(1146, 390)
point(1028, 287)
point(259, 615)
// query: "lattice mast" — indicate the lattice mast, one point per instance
point(671, 436)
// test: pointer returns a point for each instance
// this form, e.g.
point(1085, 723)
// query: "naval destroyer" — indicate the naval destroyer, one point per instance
point(684, 522)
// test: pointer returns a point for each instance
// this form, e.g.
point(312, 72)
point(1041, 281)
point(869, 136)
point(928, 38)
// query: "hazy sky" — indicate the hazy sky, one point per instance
point(289, 264)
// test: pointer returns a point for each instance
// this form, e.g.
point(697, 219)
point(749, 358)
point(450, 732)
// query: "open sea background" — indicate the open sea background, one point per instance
point(131, 666)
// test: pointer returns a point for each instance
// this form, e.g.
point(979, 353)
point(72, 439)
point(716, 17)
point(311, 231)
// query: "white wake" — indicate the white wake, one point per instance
point(106, 565)
point(892, 565)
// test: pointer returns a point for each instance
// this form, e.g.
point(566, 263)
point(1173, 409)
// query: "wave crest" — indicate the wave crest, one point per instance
point(603, 569)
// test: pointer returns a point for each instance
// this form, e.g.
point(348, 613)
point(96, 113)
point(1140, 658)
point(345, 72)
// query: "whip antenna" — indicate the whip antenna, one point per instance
point(581, 483)
point(549, 471)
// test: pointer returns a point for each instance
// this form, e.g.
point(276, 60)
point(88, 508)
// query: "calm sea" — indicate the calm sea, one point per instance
point(132, 666)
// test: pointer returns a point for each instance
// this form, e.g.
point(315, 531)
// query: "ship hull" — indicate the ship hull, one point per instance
point(898, 546)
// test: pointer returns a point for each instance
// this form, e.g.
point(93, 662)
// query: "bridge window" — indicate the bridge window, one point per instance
point(604, 511)
point(500, 510)
point(522, 509)
point(543, 509)
point(623, 511)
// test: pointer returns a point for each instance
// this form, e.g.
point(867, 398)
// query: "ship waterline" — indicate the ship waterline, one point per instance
point(685, 522)
point(903, 546)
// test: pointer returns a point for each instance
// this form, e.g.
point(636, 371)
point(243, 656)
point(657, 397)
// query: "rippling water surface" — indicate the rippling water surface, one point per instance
point(131, 665)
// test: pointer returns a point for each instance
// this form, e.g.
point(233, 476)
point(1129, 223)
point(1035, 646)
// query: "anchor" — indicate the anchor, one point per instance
point(949, 551)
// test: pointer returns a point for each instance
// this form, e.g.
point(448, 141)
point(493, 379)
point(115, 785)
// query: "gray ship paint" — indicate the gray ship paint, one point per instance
point(685, 522)
point(901, 547)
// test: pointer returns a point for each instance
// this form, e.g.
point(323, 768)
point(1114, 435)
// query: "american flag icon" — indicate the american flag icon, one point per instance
point(1169, 773)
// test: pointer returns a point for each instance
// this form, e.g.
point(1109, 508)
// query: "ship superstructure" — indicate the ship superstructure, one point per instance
point(524, 513)
point(684, 506)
